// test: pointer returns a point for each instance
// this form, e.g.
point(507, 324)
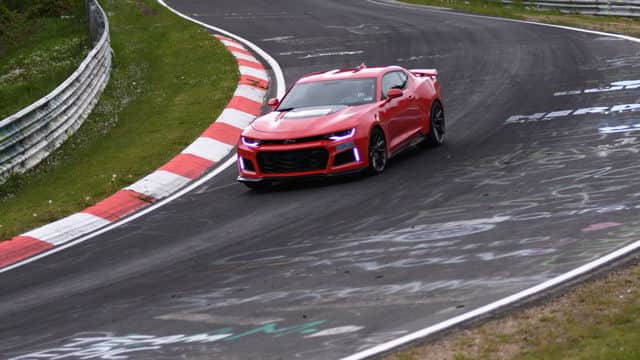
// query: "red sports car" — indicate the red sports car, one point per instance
point(342, 121)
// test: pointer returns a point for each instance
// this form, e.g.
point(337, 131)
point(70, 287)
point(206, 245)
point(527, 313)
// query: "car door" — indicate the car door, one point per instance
point(415, 117)
point(397, 112)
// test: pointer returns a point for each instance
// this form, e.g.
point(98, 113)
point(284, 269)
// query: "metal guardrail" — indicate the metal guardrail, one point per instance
point(629, 8)
point(31, 134)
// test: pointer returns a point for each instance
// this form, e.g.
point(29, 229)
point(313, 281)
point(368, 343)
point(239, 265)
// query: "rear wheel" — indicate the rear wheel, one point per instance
point(437, 133)
point(377, 152)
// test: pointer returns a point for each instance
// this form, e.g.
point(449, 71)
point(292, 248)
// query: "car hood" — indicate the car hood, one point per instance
point(310, 121)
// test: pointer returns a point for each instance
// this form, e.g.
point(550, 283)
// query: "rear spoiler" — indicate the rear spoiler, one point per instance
point(424, 72)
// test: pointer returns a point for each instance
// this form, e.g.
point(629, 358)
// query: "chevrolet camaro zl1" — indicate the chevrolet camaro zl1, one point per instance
point(342, 121)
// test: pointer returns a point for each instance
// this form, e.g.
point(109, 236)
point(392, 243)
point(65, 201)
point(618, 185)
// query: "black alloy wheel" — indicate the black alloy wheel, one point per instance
point(437, 133)
point(377, 152)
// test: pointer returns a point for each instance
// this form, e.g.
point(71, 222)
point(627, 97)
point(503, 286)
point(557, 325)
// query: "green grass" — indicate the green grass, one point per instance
point(169, 81)
point(597, 320)
point(517, 10)
point(38, 53)
point(484, 7)
point(615, 336)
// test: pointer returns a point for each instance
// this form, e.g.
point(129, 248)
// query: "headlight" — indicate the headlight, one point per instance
point(250, 142)
point(342, 135)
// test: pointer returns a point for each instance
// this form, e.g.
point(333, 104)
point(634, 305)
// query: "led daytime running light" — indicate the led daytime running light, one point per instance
point(250, 142)
point(347, 134)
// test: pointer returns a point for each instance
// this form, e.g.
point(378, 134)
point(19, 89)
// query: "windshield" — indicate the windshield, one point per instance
point(348, 92)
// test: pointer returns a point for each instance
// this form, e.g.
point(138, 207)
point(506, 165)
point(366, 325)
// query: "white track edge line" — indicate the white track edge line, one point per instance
point(130, 218)
point(512, 299)
point(459, 13)
point(280, 89)
point(273, 64)
point(509, 300)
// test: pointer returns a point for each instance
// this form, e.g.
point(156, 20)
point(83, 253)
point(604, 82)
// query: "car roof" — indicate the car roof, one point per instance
point(351, 73)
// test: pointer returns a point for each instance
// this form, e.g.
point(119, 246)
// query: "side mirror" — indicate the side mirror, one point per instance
point(394, 93)
point(273, 102)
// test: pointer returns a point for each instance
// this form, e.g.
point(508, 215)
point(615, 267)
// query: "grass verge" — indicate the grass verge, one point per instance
point(38, 51)
point(169, 81)
point(599, 319)
point(627, 26)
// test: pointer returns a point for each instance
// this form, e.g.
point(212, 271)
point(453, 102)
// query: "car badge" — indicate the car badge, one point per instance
point(289, 141)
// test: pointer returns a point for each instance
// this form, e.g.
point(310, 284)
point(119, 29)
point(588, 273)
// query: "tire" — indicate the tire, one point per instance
point(378, 156)
point(437, 126)
point(258, 185)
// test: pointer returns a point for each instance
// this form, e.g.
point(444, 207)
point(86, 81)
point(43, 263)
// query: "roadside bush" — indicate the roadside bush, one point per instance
point(6, 19)
point(40, 8)
point(51, 8)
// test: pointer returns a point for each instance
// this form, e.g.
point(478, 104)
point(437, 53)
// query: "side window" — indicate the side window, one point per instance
point(403, 78)
point(393, 80)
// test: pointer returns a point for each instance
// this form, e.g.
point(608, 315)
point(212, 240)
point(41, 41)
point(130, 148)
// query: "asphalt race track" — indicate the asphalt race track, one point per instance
point(322, 271)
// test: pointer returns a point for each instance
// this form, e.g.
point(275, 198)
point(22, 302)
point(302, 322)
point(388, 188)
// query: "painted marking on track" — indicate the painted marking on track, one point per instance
point(614, 86)
point(278, 38)
point(333, 53)
point(336, 331)
point(218, 319)
point(105, 345)
point(619, 129)
point(545, 116)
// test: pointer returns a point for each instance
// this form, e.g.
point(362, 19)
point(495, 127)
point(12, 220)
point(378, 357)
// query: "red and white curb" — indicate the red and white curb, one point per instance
point(205, 153)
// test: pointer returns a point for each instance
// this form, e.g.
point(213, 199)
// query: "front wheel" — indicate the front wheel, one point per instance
point(377, 152)
point(437, 133)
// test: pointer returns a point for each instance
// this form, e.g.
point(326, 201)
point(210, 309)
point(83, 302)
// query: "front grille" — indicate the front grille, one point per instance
point(282, 162)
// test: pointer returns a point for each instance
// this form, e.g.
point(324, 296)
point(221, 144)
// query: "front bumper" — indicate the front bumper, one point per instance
point(283, 179)
point(342, 157)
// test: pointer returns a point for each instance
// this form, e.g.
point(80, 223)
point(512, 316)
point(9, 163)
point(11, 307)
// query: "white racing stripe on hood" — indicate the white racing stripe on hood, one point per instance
point(295, 114)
